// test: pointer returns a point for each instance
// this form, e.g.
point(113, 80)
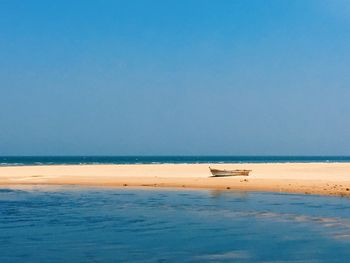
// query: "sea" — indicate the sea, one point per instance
point(79, 224)
point(89, 224)
point(58, 160)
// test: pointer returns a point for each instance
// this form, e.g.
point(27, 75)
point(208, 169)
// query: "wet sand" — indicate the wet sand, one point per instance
point(308, 178)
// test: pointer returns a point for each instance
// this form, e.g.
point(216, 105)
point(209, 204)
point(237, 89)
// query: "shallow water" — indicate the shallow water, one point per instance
point(72, 224)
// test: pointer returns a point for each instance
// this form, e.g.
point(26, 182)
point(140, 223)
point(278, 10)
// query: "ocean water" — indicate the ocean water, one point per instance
point(52, 160)
point(75, 224)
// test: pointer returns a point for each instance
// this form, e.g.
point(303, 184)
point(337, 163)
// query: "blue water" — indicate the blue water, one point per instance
point(48, 160)
point(72, 224)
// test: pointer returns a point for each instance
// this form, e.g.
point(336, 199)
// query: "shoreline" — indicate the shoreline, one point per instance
point(327, 178)
point(170, 163)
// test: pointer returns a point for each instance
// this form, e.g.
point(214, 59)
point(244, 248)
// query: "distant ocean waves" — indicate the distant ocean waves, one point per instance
point(60, 160)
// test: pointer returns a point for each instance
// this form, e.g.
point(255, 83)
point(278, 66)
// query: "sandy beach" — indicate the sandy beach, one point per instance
point(307, 178)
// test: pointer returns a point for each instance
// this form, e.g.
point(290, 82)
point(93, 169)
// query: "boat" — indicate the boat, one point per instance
point(222, 173)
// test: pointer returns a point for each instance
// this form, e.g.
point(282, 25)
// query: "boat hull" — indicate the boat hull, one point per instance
point(223, 173)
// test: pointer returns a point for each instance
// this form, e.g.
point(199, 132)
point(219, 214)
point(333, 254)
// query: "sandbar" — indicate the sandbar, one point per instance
point(306, 178)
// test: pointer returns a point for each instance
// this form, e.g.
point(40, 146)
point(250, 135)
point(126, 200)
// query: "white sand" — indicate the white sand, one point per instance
point(313, 178)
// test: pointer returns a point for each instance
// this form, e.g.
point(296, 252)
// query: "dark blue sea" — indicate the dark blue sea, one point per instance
point(56, 160)
point(75, 224)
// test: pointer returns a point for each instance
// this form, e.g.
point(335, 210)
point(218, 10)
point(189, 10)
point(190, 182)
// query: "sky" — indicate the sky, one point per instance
point(184, 77)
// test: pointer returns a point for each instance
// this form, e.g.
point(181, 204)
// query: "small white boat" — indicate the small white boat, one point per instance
point(222, 173)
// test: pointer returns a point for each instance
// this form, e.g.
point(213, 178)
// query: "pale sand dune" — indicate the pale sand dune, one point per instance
point(311, 178)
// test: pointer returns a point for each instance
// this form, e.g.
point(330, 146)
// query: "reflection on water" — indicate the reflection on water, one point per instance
point(237, 194)
point(71, 224)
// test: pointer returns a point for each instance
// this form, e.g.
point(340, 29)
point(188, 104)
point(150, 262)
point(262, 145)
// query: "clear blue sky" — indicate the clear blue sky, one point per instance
point(175, 77)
